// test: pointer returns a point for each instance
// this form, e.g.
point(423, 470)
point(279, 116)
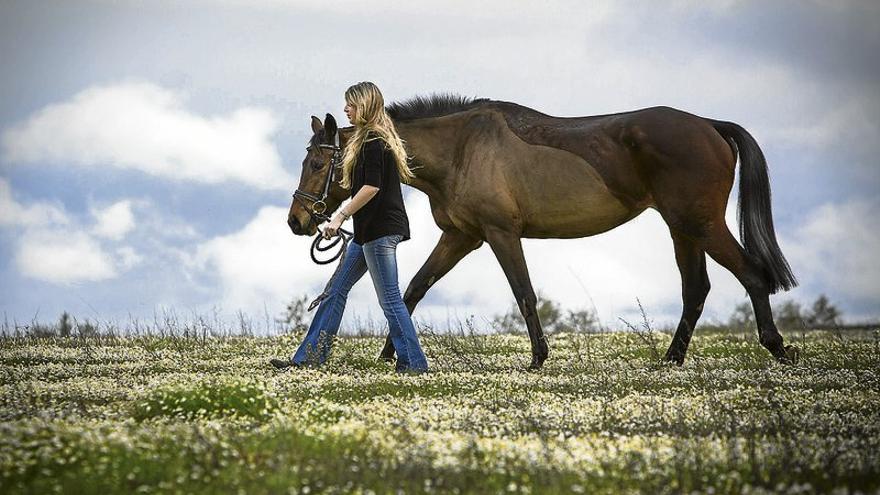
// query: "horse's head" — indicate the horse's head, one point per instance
point(319, 193)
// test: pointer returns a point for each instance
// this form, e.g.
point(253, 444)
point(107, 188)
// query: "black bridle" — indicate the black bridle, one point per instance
point(318, 206)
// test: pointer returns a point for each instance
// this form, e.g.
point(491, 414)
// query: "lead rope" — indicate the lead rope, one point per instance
point(342, 236)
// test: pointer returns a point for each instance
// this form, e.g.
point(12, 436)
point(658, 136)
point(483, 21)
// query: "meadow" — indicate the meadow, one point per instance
point(206, 414)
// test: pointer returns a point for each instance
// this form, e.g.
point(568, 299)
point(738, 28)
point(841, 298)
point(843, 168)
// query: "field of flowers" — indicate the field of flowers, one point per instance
point(144, 414)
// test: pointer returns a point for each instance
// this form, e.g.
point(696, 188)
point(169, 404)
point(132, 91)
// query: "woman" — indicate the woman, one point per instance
point(373, 164)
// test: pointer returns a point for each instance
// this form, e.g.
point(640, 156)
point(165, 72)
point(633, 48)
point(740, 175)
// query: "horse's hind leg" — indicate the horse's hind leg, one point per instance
point(508, 250)
point(723, 248)
point(450, 249)
point(691, 260)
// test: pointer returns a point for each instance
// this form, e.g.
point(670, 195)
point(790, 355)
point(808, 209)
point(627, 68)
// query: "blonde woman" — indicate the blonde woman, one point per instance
point(373, 165)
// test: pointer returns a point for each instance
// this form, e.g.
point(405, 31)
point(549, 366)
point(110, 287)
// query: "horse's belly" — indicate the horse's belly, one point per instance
point(569, 202)
point(590, 218)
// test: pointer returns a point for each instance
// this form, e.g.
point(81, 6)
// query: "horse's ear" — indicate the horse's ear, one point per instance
point(316, 124)
point(329, 128)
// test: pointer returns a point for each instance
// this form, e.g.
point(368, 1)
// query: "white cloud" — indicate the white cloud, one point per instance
point(610, 63)
point(560, 11)
point(62, 257)
point(487, 10)
point(127, 257)
point(852, 121)
point(13, 213)
point(261, 263)
point(141, 126)
point(52, 247)
point(264, 263)
point(608, 271)
point(114, 221)
point(834, 251)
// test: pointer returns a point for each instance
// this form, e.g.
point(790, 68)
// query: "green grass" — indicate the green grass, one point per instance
point(208, 415)
point(207, 398)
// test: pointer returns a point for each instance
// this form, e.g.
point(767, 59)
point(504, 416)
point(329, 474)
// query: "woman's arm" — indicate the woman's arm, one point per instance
point(362, 197)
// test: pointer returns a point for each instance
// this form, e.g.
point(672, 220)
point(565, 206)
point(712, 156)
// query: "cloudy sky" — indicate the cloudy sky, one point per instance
point(148, 149)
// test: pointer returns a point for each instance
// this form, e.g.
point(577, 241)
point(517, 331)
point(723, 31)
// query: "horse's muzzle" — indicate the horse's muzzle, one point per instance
point(295, 227)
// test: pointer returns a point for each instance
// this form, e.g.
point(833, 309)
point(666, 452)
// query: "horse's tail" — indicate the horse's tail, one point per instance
point(753, 214)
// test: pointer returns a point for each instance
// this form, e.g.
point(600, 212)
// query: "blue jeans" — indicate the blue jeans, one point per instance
point(379, 256)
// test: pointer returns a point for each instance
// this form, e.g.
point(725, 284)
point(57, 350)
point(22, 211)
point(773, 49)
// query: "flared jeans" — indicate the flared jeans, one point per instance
point(379, 257)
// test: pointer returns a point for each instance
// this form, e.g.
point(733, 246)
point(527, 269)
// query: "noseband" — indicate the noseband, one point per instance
point(318, 206)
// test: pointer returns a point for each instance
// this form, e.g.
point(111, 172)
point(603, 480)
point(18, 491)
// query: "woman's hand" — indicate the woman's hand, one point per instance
point(333, 229)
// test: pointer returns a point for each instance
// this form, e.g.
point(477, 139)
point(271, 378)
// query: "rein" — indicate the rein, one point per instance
point(318, 208)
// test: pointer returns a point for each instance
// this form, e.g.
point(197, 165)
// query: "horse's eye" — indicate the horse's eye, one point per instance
point(317, 164)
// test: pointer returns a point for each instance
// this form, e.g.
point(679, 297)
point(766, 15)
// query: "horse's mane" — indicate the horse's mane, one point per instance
point(436, 105)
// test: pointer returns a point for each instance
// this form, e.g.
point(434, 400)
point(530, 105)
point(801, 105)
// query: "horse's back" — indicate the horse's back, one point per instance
point(578, 176)
point(629, 148)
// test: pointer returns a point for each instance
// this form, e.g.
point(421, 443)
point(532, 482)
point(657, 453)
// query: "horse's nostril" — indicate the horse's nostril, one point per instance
point(294, 224)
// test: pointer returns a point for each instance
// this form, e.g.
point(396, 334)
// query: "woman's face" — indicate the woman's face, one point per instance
point(350, 112)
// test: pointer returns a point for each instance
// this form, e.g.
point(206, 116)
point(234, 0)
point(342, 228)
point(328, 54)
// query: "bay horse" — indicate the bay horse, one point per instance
point(496, 172)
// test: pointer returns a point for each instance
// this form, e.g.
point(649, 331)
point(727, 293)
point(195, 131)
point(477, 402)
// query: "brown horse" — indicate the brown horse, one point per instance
point(496, 171)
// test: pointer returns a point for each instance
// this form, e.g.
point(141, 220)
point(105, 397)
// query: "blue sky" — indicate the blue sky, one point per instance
point(148, 150)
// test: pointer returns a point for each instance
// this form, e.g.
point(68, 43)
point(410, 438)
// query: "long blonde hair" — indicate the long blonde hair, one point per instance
point(370, 115)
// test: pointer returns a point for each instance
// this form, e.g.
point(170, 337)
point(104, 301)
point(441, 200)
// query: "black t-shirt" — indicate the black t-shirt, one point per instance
point(384, 214)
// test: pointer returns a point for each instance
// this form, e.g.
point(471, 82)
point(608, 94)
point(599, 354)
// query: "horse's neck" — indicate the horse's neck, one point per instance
point(432, 146)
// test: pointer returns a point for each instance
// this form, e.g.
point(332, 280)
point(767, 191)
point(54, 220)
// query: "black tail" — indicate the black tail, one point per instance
point(754, 215)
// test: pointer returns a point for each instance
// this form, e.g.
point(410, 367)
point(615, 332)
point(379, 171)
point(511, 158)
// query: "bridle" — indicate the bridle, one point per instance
point(318, 206)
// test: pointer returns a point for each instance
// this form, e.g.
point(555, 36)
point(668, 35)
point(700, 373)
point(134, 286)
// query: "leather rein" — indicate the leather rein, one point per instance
point(318, 207)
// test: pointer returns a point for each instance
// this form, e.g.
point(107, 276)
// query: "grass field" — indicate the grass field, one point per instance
point(208, 415)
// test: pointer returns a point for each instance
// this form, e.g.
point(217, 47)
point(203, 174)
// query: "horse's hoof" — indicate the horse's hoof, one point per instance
point(792, 355)
point(674, 358)
point(537, 363)
point(386, 359)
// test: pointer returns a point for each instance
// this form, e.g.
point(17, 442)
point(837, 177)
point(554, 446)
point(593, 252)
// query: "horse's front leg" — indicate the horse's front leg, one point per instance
point(450, 249)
